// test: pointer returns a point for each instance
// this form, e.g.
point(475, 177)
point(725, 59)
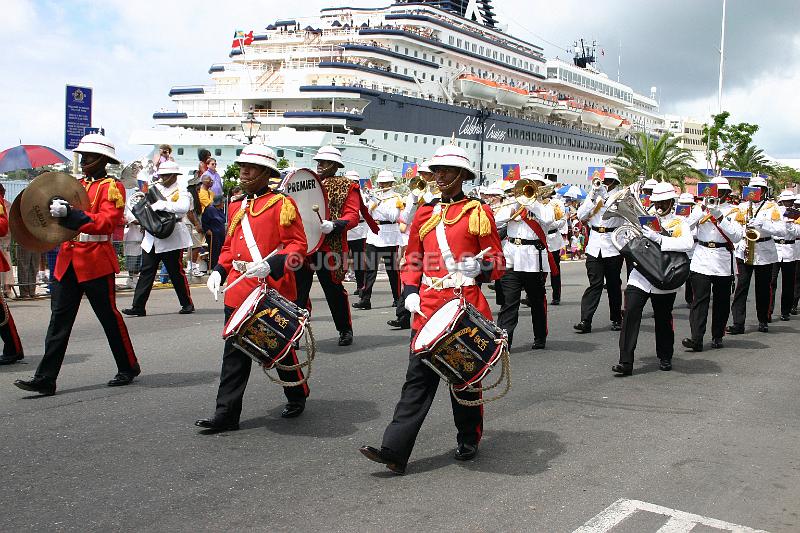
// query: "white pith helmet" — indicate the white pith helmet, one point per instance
point(385, 176)
point(425, 167)
point(611, 173)
point(169, 167)
point(95, 143)
point(663, 191)
point(533, 175)
point(329, 153)
point(757, 181)
point(685, 198)
point(722, 184)
point(353, 175)
point(786, 195)
point(258, 154)
point(649, 184)
point(452, 156)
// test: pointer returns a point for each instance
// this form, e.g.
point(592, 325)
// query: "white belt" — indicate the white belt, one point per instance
point(451, 283)
point(85, 237)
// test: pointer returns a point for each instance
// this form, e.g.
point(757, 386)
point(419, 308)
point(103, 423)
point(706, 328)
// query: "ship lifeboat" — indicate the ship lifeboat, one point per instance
point(478, 88)
point(511, 96)
point(592, 117)
point(611, 121)
point(625, 125)
point(567, 110)
point(541, 103)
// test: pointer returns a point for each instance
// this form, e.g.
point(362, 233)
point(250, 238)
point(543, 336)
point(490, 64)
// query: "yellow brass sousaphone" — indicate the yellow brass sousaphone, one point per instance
point(31, 223)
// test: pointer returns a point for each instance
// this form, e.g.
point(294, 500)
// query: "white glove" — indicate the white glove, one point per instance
point(213, 283)
point(257, 270)
point(327, 226)
point(651, 234)
point(160, 205)
point(413, 304)
point(469, 267)
point(59, 208)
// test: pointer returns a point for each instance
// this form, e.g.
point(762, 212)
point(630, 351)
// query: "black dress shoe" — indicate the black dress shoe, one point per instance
point(664, 364)
point(734, 330)
point(525, 302)
point(394, 303)
point(11, 359)
point(623, 369)
point(793, 311)
point(465, 452)
point(363, 304)
point(763, 327)
point(616, 325)
point(124, 378)
point(381, 456)
point(345, 338)
point(769, 319)
point(293, 410)
point(716, 343)
point(692, 345)
point(186, 310)
point(400, 324)
point(538, 345)
point(134, 312)
point(784, 318)
point(583, 327)
point(555, 302)
point(215, 424)
point(43, 386)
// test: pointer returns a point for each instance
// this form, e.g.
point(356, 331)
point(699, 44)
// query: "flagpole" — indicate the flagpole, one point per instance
point(721, 59)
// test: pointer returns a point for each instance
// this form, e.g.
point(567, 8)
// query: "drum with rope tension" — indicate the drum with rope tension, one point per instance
point(461, 346)
point(305, 188)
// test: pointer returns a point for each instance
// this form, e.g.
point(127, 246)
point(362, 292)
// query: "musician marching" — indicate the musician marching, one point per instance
point(330, 261)
point(603, 261)
point(556, 238)
point(687, 199)
point(258, 224)
point(12, 345)
point(446, 235)
point(677, 237)
point(755, 254)
point(416, 198)
point(786, 263)
point(527, 259)
point(712, 267)
point(86, 266)
point(167, 250)
point(385, 207)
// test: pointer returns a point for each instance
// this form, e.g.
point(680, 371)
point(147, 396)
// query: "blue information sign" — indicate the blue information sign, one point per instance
point(77, 115)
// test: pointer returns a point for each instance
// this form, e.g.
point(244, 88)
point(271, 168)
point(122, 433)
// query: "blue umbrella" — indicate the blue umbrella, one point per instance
point(29, 156)
point(571, 191)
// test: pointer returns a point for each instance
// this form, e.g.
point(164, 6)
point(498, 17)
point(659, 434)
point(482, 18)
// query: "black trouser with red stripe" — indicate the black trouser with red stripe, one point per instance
point(788, 268)
point(387, 254)
point(335, 293)
point(513, 282)
point(635, 299)
point(235, 372)
point(744, 273)
point(555, 280)
point(172, 262)
point(12, 345)
point(359, 262)
point(64, 304)
point(599, 269)
point(703, 286)
point(415, 401)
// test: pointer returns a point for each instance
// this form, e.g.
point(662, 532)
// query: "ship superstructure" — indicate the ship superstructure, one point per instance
point(391, 84)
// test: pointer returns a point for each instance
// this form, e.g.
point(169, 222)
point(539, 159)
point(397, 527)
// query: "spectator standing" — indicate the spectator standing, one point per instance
point(205, 194)
point(27, 268)
point(213, 222)
point(216, 179)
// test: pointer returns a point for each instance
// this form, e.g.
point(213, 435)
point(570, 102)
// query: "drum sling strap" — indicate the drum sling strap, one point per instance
point(537, 229)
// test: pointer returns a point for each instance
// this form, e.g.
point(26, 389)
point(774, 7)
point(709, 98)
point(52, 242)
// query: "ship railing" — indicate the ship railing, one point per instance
point(270, 113)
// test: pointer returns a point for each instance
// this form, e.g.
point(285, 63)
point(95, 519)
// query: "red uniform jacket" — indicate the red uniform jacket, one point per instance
point(4, 266)
point(468, 232)
point(266, 214)
point(92, 260)
point(350, 214)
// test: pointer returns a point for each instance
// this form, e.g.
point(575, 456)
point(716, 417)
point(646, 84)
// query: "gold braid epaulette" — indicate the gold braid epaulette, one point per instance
point(113, 193)
point(478, 220)
point(674, 227)
point(288, 212)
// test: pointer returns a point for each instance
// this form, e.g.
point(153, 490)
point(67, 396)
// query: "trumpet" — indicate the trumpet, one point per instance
point(597, 183)
point(418, 185)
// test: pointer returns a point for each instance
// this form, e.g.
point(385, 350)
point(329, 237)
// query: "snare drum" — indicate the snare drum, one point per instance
point(459, 344)
point(265, 326)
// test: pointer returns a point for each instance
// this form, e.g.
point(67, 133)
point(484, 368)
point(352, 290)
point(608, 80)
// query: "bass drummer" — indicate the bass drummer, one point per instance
point(445, 237)
point(258, 224)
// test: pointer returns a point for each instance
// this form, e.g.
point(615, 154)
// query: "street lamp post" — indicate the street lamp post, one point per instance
point(250, 126)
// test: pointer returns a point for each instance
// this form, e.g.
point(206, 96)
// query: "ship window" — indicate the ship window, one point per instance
point(416, 139)
point(406, 51)
point(298, 154)
point(217, 151)
point(238, 151)
point(474, 48)
point(406, 139)
point(374, 157)
point(450, 40)
point(385, 135)
point(458, 43)
point(279, 153)
point(405, 71)
point(396, 48)
point(415, 53)
point(424, 140)
point(449, 62)
point(395, 136)
point(423, 75)
point(180, 151)
point(384, 157)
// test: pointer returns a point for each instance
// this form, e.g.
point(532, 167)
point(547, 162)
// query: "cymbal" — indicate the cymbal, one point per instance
point(20, 233)
point(34, 209)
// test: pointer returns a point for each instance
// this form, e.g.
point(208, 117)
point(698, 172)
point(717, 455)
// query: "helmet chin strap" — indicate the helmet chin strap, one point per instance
point(96, 167)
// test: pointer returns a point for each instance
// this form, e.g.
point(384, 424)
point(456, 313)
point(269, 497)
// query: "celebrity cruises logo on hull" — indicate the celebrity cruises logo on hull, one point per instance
point(472, 126)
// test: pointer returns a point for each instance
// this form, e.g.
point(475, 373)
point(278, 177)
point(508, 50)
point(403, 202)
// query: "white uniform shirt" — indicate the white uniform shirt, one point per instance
point(180, 237)
point(555, 235)
point(714, 261)
point(786, 252)
point(600, 244)
point(682, 243)
point(525, 257)
point(766, 251)
point(386, 213)
point(360, 231)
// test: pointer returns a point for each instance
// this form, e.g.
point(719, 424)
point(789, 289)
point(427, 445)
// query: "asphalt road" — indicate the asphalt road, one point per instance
point(718, 436)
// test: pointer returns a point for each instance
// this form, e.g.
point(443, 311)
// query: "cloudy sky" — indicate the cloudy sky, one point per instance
point(131, 53)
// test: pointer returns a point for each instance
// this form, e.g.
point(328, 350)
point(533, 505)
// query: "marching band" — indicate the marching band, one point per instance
point(454, 244)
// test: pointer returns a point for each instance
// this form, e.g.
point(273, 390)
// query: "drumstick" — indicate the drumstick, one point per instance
point(315, 208)
point(450, 275)
point(249, 271)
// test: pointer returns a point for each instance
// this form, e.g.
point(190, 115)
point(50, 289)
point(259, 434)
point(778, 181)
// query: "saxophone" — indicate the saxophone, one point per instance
point(751, 235)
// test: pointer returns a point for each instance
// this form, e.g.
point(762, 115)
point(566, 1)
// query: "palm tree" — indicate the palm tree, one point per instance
point(747, 159)
point(661, 159)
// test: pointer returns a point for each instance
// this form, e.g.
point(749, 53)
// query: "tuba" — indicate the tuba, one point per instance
point(625, 204)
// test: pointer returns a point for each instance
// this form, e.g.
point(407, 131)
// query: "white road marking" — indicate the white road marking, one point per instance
point(679, 521)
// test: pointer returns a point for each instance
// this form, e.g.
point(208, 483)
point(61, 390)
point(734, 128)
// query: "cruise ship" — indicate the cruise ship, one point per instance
point(389, 85)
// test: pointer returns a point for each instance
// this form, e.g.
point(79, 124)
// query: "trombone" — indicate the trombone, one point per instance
point(526, 192)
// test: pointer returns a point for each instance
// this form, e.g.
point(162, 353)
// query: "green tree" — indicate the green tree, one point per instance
point(661, 159)
point(230, 179)
point(747, 159)
point(782, 177)
point(728, 143)
point(283, 163)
